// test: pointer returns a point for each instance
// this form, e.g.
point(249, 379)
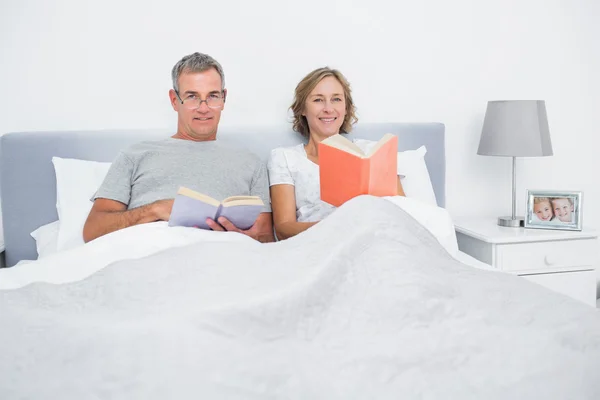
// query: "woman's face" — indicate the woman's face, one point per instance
point(325, 108)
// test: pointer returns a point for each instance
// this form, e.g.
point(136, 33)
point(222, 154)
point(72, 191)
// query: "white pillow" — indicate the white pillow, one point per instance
point(416, 182)
point(76, 183)
point(436, 220)
point(46, 239)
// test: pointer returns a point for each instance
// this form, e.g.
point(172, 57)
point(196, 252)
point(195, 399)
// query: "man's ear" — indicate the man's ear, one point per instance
point(224, 95)
point(174, 100)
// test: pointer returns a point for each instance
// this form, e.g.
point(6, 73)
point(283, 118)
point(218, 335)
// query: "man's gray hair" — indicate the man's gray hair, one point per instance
point(196, 62)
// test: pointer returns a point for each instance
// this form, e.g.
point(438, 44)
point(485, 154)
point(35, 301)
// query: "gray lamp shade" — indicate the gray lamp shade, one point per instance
point(515, 128)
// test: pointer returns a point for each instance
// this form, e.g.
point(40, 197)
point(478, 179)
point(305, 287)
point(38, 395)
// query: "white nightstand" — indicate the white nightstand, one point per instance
point(564, 261)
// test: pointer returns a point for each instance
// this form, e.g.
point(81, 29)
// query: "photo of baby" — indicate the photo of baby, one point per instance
point(553, 210)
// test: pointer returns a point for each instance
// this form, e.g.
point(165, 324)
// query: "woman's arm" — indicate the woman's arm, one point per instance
point(283, 204)
point(400, 189)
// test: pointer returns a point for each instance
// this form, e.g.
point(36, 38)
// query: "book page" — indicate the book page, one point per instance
point(386, 138)
point(242, 200)
point(198, 196)
point(340, 142)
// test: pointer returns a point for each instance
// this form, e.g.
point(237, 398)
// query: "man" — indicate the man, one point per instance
point(144, 179)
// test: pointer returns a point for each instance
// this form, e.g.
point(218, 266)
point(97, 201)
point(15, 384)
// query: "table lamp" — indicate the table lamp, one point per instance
point(515, 128)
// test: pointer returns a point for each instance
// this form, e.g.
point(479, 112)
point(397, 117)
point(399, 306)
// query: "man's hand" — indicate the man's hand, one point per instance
point(162, 209)
point(261, 230)
point(225, 225)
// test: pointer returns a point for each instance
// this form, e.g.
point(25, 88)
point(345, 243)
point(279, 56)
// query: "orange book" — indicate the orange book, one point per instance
point(346, 171)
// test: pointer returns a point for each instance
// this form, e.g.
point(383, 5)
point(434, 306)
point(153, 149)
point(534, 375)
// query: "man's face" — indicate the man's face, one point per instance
point(199, 123)
point(562, 209)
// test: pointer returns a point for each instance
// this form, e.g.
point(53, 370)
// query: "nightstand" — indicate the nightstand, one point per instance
point(564, 261)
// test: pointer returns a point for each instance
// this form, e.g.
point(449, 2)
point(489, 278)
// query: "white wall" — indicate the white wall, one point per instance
point(69, 64)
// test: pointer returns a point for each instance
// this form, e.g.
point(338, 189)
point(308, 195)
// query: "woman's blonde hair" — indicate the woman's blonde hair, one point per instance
point(538, 200)
point(306, 86)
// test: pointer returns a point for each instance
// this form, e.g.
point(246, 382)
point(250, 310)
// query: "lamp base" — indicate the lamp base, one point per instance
point(509, 222)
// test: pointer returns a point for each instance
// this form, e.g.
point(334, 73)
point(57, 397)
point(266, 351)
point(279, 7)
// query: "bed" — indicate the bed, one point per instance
point(373, 302)
point(29, 184)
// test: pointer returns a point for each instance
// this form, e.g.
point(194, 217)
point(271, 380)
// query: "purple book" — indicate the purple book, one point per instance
point(191, 209)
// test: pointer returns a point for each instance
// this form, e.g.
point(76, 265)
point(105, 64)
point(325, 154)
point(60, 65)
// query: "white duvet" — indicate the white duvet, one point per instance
point(144, 240)
point(366, 304)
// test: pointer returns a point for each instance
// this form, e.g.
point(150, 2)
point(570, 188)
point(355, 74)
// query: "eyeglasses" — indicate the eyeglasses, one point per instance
point(192, 101)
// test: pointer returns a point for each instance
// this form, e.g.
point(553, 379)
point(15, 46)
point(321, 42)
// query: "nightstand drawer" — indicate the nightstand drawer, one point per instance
point(551, 255)
point(580, 285)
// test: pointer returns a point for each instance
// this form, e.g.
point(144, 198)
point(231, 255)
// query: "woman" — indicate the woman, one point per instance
point(322, 107)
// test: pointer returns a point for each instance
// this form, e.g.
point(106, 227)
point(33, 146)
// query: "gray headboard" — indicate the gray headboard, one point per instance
point(28, 182)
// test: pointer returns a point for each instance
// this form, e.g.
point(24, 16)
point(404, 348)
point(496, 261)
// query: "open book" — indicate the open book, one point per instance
point(346, 171)
point(192, 208)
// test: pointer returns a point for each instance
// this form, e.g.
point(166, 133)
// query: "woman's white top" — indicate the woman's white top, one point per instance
point(291, 166)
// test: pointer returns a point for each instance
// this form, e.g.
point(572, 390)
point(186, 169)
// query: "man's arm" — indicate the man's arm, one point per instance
point(262, 230)
point(108, 216)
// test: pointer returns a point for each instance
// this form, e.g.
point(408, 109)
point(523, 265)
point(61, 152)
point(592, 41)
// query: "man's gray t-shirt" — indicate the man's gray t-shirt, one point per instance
point(154, 170)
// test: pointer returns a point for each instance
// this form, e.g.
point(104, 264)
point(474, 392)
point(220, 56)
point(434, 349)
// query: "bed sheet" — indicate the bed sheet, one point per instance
point(335, 312)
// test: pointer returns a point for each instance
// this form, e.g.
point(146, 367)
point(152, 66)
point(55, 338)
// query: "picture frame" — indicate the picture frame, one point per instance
point(554, 209)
